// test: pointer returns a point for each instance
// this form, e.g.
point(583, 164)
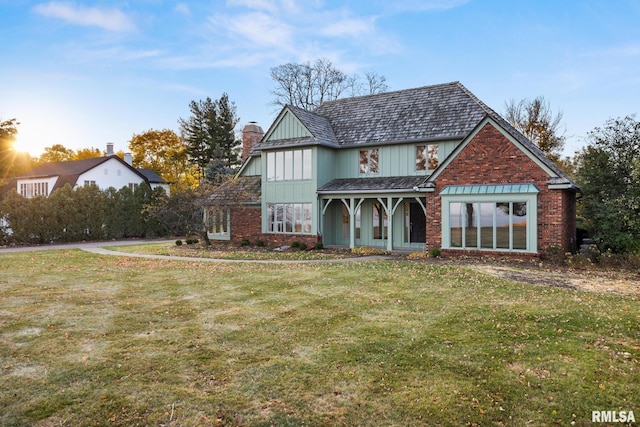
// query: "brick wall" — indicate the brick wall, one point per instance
point(490, 158)
point(246, 223)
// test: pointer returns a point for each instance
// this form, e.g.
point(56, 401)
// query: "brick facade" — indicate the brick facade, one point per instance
point(246, 224)
point(491, 158)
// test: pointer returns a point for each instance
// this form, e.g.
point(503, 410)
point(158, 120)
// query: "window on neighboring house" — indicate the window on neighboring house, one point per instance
point(133, 186)
point(380, 222)
point(294, 218)
point(369, 161)
point(488, 225)
point(289, 165)
point(33, 189)
point(106, 171)
point(426, 157)
point(86, 183)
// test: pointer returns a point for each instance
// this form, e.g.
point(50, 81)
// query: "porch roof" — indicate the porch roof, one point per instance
point(392, 184)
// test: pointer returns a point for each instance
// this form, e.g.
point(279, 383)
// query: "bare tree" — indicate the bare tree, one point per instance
point(309, 85)
point(535, 120)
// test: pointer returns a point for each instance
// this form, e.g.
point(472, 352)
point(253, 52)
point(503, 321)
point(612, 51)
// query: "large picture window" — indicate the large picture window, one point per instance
point(488, 225)
point(289, 165)
point(293, 218)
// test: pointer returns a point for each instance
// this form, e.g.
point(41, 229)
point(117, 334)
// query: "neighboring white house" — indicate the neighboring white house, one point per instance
point(104, 172)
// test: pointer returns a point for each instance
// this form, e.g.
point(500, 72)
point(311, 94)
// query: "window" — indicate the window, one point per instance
point(426, 157)
point(33, 189)
point(133, 186)
point(488, 225)
point(217, 221)
point(289, 165)
point(292, 218)
point(369, 161)
point(380, 222)
point(87, 183)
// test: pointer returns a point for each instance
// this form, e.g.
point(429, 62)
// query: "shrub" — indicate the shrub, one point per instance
point(260, 243)
point(435, 252)
point(295, 244)
point(302, 246)
point(245, 242)
point(192, 241)
point(318, 246)
point(178, 242)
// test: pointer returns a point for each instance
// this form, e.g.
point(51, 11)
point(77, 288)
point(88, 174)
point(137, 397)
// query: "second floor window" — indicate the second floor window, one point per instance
point(369, 161)
point(289, 165)
point(426, 157)
point(33, 189)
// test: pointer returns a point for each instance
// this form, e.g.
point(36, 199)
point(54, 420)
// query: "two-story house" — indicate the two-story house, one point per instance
point(412, 170)
point(104, 172)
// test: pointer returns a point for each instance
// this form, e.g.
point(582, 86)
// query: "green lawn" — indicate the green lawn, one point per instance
point(102, 340)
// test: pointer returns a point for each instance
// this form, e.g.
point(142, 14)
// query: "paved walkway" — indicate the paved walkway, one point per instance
point(100, 248)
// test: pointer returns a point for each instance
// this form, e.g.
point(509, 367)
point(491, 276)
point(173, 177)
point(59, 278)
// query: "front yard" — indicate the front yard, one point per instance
point(102, 340)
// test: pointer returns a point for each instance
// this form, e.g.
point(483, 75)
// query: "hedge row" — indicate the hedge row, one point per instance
point(83, 213)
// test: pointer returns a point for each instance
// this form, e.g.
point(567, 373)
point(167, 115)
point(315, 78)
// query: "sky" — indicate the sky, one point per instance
point(84, 73)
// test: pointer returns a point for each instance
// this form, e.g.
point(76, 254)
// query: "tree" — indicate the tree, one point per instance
point(8, 132)
point(88, 153)
point(309, 85)
point(608, 173)
point(209, 133)
point(57, 153)
point(165, 153)
point(535, 120)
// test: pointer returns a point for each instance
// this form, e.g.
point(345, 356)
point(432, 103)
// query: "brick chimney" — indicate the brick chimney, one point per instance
point(252, 134)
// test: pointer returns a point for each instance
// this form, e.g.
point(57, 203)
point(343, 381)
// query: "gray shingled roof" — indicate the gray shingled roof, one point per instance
point(439, 112)
point(319, 127)
point(382, 184)
point(242, 189)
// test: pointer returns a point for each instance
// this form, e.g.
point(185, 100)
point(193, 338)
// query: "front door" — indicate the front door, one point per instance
point(418, 223)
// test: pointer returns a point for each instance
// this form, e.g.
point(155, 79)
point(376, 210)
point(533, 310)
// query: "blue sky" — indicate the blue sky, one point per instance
point(84, 73)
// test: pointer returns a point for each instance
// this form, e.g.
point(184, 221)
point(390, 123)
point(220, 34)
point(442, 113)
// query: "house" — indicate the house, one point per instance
point(431, 167)
point(105, 172)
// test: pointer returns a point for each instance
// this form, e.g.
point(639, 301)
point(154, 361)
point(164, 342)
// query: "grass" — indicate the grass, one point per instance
point(94, 340)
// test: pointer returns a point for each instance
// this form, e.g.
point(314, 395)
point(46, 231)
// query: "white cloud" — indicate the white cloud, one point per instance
point(350, 27)
point(183, 9)
point(422, 5)
point(257, 28)
point(108, 19)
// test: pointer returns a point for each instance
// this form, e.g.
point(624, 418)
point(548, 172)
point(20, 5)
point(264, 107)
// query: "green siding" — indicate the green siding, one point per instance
point(253, 167)
point(394, 160)
point(288, 127)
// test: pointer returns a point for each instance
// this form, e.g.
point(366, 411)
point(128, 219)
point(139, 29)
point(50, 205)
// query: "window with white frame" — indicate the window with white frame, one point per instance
point(33, 189)
point(294, 218)
point(289, 165)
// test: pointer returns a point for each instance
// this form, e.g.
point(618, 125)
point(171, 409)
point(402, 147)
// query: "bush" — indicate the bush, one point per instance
point(178, 242)
point(260, 243)
point(245, 242)
point(302, 246)
point(192, 241)
point(435, 252)
point(295, 244)
point(318, 246)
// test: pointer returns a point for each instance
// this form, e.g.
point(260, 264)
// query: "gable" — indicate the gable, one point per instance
point(286, 127)
point(489, 154)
